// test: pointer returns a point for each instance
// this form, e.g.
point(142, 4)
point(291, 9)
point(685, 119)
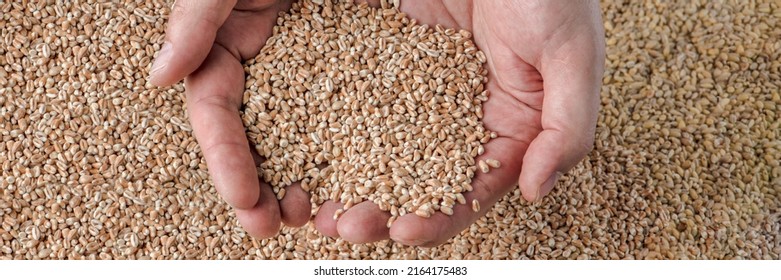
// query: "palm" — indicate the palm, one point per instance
point(512, 111)
point(523, 42)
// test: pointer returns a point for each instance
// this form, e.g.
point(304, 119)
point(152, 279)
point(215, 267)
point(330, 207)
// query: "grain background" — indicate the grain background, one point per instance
point(99, 164)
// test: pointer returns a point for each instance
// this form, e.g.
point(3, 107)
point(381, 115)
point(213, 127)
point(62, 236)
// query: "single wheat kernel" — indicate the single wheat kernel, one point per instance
point(493, 163)
point(390, 221)
point(483, 166)
point(338, 213)
point(447, 210)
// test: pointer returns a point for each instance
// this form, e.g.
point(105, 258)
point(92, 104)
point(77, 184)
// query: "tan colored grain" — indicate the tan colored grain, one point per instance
point(493, 163)
point(685, 162)
point(483, 166)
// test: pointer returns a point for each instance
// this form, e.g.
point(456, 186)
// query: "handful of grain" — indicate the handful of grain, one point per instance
point(361, 104)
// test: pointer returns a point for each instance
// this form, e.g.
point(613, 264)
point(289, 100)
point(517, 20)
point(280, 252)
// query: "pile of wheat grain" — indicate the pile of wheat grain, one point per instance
point(362, 104)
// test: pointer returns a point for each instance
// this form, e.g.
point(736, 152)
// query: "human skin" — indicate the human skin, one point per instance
point(545, 62)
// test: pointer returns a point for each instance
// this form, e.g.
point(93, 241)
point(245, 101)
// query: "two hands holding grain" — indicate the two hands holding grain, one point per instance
point(545, 64)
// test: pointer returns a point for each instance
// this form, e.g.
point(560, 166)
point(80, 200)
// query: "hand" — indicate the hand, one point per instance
point(206, 41)
point(545, 62)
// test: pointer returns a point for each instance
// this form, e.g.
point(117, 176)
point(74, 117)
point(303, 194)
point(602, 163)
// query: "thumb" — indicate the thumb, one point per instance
point(191, 30)
point(549, 156)
point(572, 77)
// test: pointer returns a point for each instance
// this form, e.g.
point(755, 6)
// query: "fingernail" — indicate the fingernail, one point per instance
point(417, 242)
point(547, 186)
point(410, 242)
point(162, 59)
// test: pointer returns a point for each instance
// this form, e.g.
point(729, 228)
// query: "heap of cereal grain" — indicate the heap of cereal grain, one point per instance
point(361, 104)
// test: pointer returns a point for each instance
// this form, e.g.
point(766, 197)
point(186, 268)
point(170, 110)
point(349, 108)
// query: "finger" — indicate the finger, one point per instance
point(452, 14)
point(414, 230)
point(192, 27)
point(261, 15)
point(488, 188)
point(295, 206)
point(324, 220)
point(552, 155)
point(263, 219)
point(572, 76)
point(363, 223)
point(213, 100)
point(256, 158)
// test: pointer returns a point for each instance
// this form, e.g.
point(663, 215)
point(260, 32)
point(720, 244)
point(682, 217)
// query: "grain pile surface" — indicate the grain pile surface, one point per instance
point(360, 104)
point(99, 164)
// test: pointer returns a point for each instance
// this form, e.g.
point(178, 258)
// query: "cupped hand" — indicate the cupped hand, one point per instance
point(206, 41)
point(545, 63)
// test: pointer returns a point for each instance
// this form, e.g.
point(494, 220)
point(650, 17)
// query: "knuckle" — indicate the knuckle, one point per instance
point(216, 102)
point(584, 144)
point(206, 14)
point(583, 148)
point(178, 9)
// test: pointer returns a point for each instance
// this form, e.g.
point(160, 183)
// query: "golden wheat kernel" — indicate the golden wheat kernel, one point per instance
point(493, 163)
point(475, 205)
point(483, 166)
